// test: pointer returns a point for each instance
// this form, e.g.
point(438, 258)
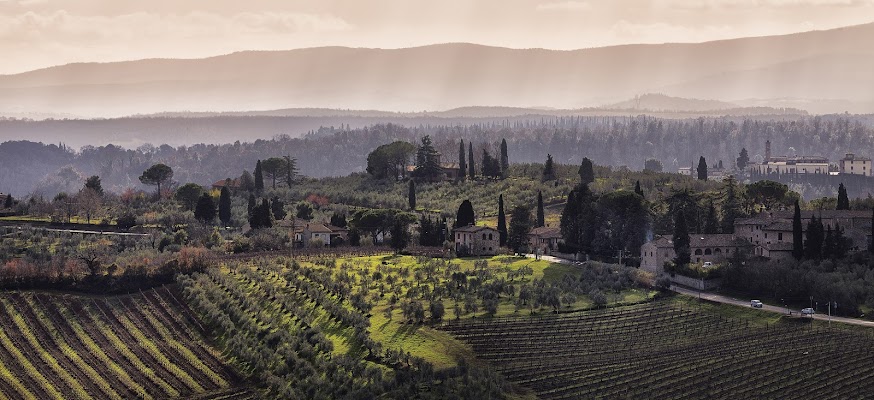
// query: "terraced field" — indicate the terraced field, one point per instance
point(667, 351)
point(137, 346)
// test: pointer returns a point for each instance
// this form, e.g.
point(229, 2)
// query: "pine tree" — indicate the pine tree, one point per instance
point(502, 222)
point(471, 168)
point(505, 159)
point(843, 199)
point(205, 209)
point(711, 224)
point(637, 189)
point(682, 242)
point(465, 215)
point(411, 195)
point(702, 169)
point(462, 160)
point(428, 160)
point(548, 169)
point(743, 159)
point(259, 178)
point(93, 182)
point(224, 208)
point(797, 234)
point(541, 217)
point(586, 171)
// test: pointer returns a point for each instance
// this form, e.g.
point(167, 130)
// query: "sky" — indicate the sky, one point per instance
point(41, 33)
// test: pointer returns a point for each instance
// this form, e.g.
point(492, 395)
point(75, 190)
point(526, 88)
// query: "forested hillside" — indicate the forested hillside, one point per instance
point(609, 141)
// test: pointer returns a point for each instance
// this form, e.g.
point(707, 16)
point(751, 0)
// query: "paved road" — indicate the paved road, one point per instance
point(729, 300)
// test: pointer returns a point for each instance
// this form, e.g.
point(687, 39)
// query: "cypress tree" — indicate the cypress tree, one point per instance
point(637, 189)
point(462, 161)
point(465, 215)
point(541, 217)
point(730, 206)
point(505, 159)
point(471, 168)
point(277, 208)
point(548, 169)
point(8, 203)
point(259, 178)
point(252, 204)
point(502, 222)
point(843, 199)
point(411, 195)
point(711, 224)
point(828, 244)
point(702, 169)
point(265, 216)
point(682, 241)
point(813, 244)
point(797, 234)
point(205, 209)
point(224, 209)
point(586, 171)
point(520, 225)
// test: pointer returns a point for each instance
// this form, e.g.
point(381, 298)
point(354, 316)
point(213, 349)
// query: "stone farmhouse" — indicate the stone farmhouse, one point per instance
point(768, 235)
point(305, 233)
point(544, 238)
point(476, 240)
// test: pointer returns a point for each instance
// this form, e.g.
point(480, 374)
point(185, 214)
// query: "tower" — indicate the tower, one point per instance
point(767, 151)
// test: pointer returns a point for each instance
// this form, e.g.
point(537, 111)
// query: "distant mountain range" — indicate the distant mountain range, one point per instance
point(818, 71)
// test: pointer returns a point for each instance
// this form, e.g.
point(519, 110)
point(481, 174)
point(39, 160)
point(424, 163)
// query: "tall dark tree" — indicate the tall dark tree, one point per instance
point(520, 226)
point(471, 168)
point(339, 220)
point(259, 178)
point(843, 199)
point(205, 209)
point(157, 174)
point(815, 237)
point(797, 234)
point(502, 222)
point(252, 204)
point(262, 216)
point(637, 189)
point(428, 161)
point(711, 223)
point(411, 194)
point(290, 169)
point(505, 158)
point(224, 207)
point(828, 243)
point(586, 171)
point(702, 169)
point(400, 236)
point(277, 208)
point(93, 182)
point(743, 159)
point(426, 231)
point(731, 208)
point(462, 160)
point(491, 166)
point(8, 203)
point(465, 215)
point(682, 242)
point(548, 169)
point(579, 220)
point(541, 216)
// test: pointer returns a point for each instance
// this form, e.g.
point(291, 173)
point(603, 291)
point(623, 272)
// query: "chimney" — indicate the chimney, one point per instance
point(767, 151)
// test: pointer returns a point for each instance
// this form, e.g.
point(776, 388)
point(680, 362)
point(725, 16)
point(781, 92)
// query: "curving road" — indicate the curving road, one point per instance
point(728, 300)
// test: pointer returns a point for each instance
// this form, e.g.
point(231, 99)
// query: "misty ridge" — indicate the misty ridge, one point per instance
point(819, 71)
point(46, 169)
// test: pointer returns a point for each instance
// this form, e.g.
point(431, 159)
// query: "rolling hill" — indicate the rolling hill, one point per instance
point(811, 68)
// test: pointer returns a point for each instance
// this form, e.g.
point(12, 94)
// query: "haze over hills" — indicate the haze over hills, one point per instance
point(819, 71)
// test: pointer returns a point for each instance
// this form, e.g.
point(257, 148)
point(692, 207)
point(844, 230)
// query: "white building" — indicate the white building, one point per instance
point(790, 164)
point(855, 165)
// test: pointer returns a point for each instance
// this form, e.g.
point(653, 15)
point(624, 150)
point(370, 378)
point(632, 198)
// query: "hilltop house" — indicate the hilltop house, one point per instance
point(232, 184)
point(476, 240)
point(703, 247)
point(789, 164)
point(855, 165)
point(306, 232)
point(544, 238)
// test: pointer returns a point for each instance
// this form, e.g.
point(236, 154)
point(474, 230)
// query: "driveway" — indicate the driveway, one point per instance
point(727, 300)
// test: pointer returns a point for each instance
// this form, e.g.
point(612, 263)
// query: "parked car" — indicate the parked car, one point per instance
point(807, 311)
point(756, 303)
point(708, 264)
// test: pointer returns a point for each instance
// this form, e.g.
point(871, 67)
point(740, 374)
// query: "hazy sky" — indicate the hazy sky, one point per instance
point(40, 33)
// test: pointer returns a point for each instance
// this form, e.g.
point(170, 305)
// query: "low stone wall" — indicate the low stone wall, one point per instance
point(695, 283)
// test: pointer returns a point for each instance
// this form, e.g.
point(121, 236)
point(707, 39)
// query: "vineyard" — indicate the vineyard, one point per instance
point(145, 345)
point(666, 350)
